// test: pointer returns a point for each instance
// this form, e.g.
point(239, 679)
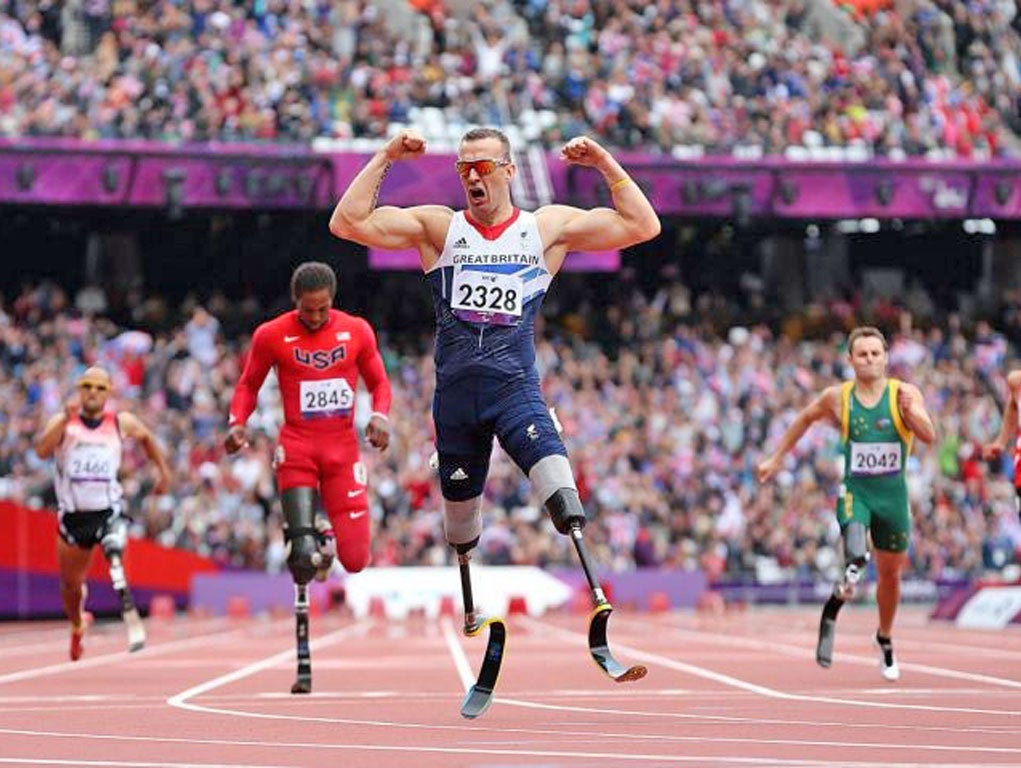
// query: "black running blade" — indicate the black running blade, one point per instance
point(480, 695)
point(824, 648)
point(600, 649)
point(303, 683)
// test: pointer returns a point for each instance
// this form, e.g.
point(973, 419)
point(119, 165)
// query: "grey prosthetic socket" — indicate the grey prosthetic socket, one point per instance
point(565, 510)
point(303, 556)
point(856, 557)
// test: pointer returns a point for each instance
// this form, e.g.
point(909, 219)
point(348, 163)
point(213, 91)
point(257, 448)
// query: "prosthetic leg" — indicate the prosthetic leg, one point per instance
point(480, 695)
point(113, 544)
point(303, 559)
point(856, 555)
point(568, 517)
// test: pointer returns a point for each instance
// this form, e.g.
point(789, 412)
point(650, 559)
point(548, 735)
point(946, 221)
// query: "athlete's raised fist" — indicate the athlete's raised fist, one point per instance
point(582, 151)
point(406, 145)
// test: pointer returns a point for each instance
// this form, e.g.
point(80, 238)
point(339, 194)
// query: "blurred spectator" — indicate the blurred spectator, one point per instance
point(933, 76)
point(665, 412)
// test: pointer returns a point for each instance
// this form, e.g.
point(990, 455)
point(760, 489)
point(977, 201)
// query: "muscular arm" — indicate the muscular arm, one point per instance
point(131, 426)
point(257, 365)
point(357, 218)
point(826, 407)
point(48, 440)
point(631, 220)
point(372, 370)
point(916, 417)
point(1009, 424)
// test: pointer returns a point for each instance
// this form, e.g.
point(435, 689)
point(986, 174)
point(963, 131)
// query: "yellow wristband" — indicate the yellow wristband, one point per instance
point(619, 183)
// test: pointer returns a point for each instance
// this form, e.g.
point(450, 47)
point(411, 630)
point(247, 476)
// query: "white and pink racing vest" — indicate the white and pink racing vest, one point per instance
point(88, 459)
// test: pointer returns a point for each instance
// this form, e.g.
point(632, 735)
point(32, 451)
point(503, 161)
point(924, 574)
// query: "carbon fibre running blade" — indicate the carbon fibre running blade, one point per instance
point(303, 682)
point(600, 649)
point(480, 695)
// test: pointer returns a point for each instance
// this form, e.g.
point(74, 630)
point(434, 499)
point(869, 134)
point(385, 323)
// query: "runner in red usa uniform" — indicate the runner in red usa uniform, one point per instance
point(318, 353)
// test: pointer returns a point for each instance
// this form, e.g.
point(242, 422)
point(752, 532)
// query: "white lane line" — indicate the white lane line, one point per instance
point(464, 670)
point(107, 631)
point(124, 764)
point(800, 652)
point(761, 690)
point(121, 656)
point(630, 756)
point(181, 699)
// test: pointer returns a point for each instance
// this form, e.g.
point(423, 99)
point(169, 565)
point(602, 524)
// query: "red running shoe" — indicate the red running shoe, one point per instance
point(77, 642)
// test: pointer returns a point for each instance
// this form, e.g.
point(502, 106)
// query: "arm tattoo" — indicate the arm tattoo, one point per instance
point(379, 185)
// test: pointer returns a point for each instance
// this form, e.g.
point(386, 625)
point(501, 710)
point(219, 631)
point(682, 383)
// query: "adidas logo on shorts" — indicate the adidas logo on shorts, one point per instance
point(458, 474)
point(461, 243)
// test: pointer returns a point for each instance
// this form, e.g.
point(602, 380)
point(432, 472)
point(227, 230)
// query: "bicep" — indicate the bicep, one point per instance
point(597, 229)
point(826, 407)
point(393, 228)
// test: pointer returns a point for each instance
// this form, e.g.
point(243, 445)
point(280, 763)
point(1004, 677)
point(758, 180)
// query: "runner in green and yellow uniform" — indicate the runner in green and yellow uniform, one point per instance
point(878, 419)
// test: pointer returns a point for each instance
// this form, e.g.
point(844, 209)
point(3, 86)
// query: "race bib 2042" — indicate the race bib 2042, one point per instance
point(871, 459)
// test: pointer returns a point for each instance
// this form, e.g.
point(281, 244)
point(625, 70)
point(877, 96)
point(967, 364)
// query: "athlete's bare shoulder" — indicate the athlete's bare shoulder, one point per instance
point(830, 403)
point(1014, 379)
point(436, 221)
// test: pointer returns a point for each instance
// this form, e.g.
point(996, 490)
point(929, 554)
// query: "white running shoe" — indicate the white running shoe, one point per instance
point(888, 666)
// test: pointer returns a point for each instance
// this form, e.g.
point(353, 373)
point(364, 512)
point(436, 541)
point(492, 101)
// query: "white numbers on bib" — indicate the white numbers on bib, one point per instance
point(876, 458)
point(327, 397)
point(483, 294)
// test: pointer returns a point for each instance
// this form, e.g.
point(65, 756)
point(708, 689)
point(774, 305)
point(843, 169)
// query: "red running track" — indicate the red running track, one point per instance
point(731, 690)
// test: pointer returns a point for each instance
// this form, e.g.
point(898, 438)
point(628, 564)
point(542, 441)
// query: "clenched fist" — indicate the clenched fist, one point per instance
point(406, 145)
point(583, 151)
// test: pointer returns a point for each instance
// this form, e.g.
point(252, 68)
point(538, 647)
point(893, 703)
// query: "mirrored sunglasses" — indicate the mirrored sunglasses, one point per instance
point(482, 167)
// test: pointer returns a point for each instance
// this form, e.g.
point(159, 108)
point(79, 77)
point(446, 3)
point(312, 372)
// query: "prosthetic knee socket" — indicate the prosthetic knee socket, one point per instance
point(856, 555)
point(462, 523)
point(565, 510)
point(302, 553)
point(115, 539)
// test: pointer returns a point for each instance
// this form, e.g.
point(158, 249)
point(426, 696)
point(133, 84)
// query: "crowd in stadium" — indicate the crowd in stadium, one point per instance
point(905, 78)
point(665, 418)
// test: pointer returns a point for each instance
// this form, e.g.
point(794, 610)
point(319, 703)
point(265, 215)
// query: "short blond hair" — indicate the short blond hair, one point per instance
point(865, 332)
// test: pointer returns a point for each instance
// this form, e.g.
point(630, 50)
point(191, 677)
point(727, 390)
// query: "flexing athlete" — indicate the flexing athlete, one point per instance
point(88, 441)
point(489, 267)
point(1011, 424)
point(878, 419)
point(319, 353)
